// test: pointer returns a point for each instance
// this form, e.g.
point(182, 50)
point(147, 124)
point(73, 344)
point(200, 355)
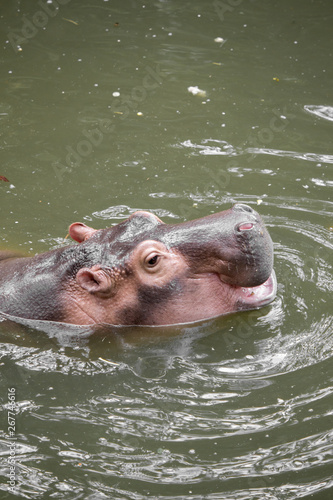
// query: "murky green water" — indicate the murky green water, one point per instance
point(236, 408)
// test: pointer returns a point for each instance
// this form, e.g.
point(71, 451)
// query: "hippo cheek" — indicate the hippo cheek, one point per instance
point(190, 299)
point(202, 297)
point(155, 305)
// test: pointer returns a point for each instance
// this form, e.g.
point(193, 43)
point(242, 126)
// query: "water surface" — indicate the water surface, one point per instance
point(96, 122)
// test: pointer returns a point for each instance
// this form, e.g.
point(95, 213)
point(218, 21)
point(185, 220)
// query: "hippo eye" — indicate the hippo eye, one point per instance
point(152, 255)
point(153, 261)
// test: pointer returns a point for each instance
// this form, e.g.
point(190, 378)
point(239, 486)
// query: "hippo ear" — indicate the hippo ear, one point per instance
point(94, 280)
point(80, 232)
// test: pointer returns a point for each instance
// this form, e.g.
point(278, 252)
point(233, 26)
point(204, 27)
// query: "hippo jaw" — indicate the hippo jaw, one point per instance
point(256, 296)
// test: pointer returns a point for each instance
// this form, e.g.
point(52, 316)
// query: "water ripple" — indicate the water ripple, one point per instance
point(217, 147)
point(123, 211)
point(325, 112)
point(235, 408)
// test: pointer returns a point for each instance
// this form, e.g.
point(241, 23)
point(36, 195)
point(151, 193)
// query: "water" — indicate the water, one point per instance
point(235, 408)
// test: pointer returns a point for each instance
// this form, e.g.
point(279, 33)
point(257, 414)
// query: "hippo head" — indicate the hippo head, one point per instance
point(145, 272)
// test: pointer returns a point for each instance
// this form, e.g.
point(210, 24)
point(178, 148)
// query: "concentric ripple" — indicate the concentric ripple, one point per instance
point(239, 407)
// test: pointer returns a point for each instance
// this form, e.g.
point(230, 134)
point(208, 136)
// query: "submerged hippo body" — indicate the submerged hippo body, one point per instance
point(145, 272)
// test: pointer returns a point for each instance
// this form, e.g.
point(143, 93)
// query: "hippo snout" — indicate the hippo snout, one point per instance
point(256, 254)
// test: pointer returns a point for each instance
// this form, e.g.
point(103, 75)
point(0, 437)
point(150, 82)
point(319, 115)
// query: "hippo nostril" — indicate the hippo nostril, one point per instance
point(241, 207)
point(245, 226)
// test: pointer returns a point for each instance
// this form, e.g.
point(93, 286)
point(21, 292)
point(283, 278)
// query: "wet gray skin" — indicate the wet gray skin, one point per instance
point(145, 272)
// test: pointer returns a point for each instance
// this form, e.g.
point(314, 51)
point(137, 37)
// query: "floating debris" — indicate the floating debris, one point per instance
point(220, 40)
point(3, 178)
point(70, 21)
point(259, 202)
point(116, 94)
point(276, 79)
point(109, 362)
point(197, 91)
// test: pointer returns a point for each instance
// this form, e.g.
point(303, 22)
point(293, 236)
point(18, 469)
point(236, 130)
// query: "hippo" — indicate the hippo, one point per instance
point(143, 271)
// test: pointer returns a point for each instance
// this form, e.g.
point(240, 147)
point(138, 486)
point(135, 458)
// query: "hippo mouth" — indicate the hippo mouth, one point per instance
point(256, 296)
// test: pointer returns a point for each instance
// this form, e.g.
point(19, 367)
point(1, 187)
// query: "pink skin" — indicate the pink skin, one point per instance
point(103, 296)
